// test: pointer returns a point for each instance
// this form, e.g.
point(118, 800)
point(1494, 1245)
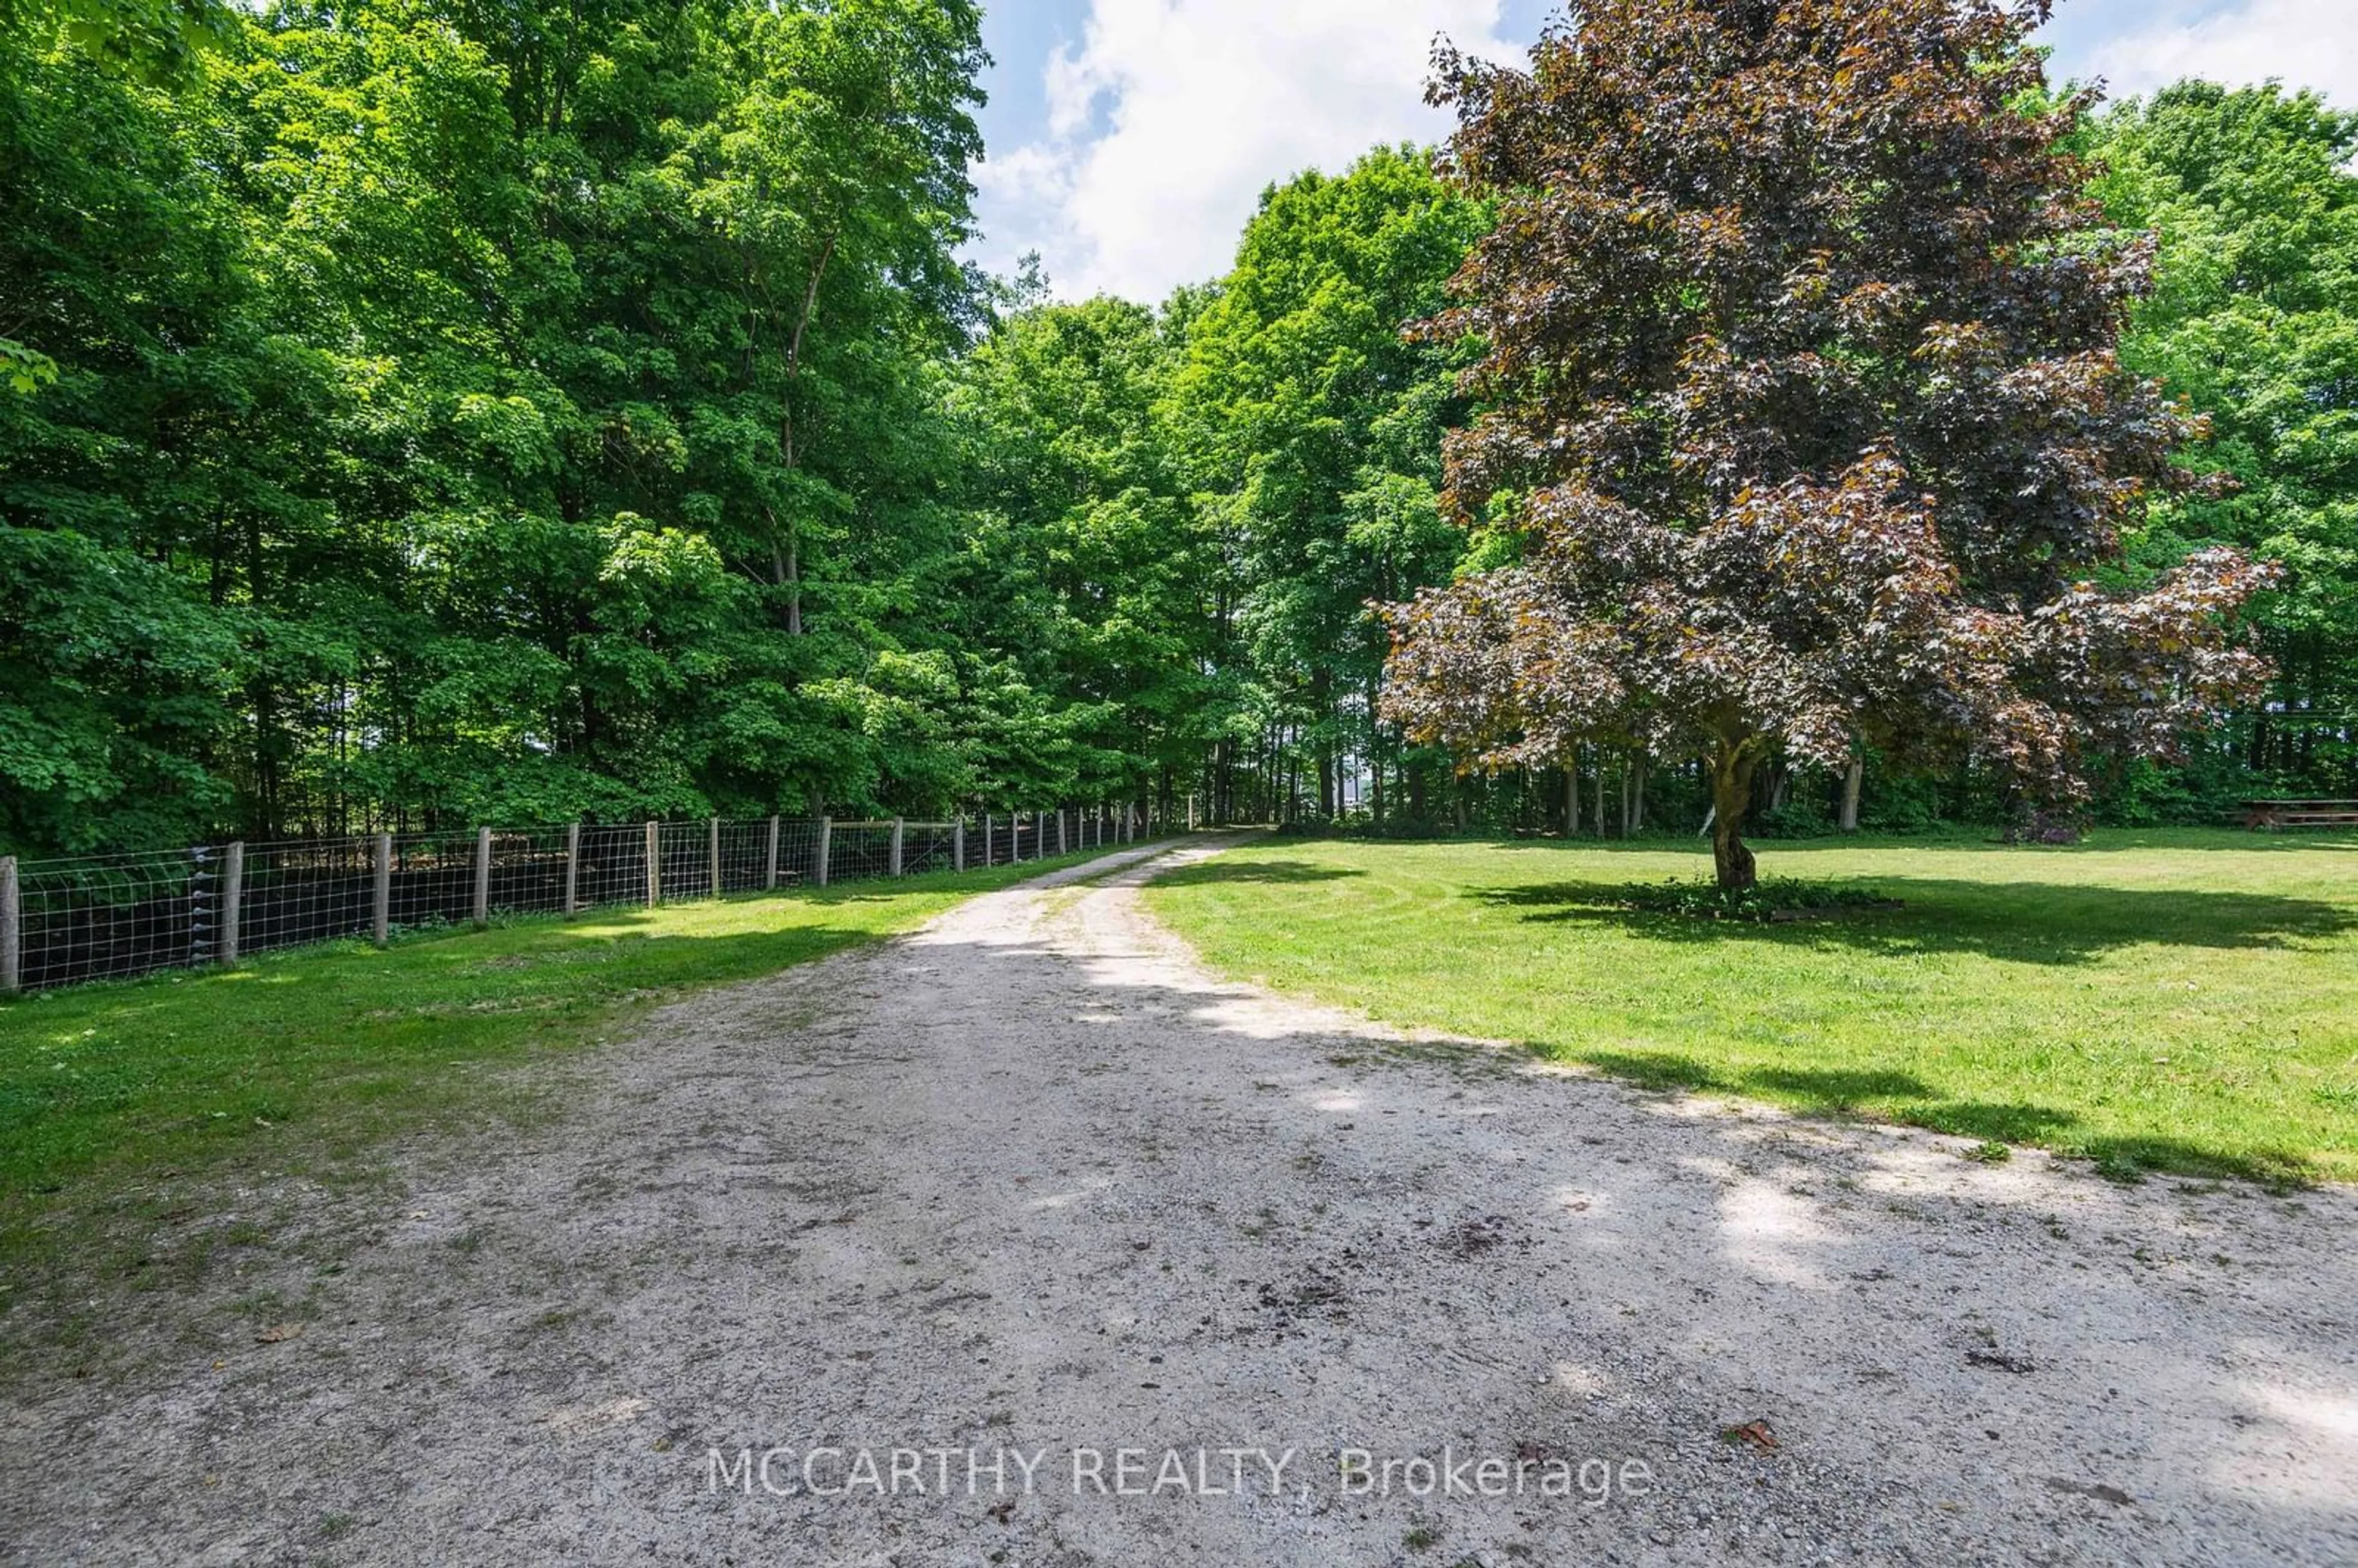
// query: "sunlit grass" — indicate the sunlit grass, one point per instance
point(2185, 1000)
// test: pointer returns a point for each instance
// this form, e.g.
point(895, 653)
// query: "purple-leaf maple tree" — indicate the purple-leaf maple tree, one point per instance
point(1803, 410)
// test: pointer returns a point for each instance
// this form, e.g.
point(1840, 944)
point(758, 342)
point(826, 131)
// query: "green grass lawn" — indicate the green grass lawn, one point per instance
point(2183, 1001)
point(116, 1099)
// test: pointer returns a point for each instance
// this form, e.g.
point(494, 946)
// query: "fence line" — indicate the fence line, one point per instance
point(93, 917)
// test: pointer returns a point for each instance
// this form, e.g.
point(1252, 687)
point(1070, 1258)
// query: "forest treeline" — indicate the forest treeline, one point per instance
point(433, 413)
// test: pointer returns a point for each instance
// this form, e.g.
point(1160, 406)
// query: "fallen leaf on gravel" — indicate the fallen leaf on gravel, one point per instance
point(2096, 1489)
point(278, 1332)
point(1755, 1432)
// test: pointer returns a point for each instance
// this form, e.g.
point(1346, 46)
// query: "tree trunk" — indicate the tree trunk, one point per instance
point(1570, 801)
point(1852, 776)
point(1731, 798)
point(793, 582)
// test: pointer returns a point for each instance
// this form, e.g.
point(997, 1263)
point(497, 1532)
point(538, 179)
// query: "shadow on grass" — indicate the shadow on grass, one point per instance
point(2026, 922)
point(2106, 841)
point(1890, 1095)
point(1946, 840)
point(1221, 868)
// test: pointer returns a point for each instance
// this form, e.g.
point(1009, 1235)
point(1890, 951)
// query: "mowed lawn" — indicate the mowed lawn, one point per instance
point(2184, 1000)
point(119, 1101)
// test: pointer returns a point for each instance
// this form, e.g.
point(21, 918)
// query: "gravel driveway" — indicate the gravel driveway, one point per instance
point(949, 1251)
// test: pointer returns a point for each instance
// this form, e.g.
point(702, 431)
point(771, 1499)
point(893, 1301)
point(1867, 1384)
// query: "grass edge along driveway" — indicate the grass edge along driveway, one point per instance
point(119, 1102)
point(2182, 1001)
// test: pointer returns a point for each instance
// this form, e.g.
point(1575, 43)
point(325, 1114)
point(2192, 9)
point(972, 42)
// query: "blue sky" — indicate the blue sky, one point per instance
point(1128, 140)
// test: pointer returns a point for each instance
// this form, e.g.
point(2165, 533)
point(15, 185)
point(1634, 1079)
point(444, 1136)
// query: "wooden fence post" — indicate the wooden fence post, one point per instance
point(957, 842)
point(12, 930)
point(232, 896)
point(381, 903)
point(986, 840)
point(655, 864)
point(482, 878)
point(826, 831)
point(712, 851)
point(572, 868)
point(896, 848)
point(770, 873)
point(1060, 830)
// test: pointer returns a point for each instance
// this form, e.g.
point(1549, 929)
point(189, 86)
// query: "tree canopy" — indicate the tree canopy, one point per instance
point(416, 413)
point(1802, 399)
point(2253, 318)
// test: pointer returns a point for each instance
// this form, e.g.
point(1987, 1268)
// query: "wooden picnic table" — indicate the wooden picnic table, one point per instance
point(2300, 814)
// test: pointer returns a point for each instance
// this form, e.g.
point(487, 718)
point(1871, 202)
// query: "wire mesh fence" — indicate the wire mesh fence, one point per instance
point(93, 917)
point(858, 851)
point(430, 879)
point(1024, 836)
point(306, 890)
point(929, 847)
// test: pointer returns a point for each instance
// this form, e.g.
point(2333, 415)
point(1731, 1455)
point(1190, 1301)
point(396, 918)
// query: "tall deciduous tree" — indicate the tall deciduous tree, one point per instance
point(1805, 410)
point(2254, 318)
point(1086, 593)
point(1314, 431)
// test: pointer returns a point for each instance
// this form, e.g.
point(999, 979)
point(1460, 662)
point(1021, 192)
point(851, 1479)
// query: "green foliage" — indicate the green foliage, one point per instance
point(418, 414)
point(461, 416)
point(2253, 319)
point(1085, 551)
point(159, 42)
point(1764, 900)
point(1312, 434)
point(24, 370)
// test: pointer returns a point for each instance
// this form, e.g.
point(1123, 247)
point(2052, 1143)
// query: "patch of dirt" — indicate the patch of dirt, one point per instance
point(1033, 1181)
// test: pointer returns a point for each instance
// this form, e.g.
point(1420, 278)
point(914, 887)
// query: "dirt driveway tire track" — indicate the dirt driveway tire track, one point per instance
point(1030, 1179)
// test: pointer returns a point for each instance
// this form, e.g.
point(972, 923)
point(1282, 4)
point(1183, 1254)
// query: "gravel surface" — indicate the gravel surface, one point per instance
point(1030, 1189)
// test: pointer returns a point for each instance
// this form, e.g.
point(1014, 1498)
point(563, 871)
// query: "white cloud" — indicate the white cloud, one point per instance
point(1169, 117)
point(2303, 43)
